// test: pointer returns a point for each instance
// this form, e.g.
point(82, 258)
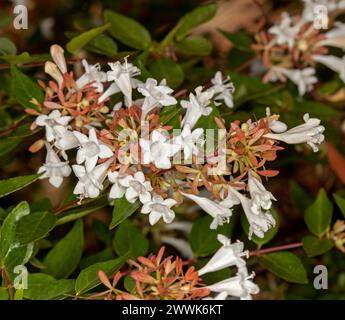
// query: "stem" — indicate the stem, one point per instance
point(278, 248)
point(8, 283)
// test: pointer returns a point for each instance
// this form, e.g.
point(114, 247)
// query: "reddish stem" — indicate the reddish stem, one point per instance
point(278, 248)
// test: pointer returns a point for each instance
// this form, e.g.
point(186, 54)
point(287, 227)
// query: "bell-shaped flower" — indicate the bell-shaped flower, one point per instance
point(159, 208)
point(188, 141)
point(259, 222)
point(65, 139)
point(223, 89)
point(217, 211)
point(90, 183)
point(155, 95)
point(90, 149)
point(122, 76)
point(310, 132)
point(137, 187)
point(240, 286)
point(196, 106)
point(93, 75)
point(261, 198)
point(229, 254)
point(304, 79)
point(117, 189)
point(54, 168)
point(50, 121)
point(158, 150)
point(334, 63)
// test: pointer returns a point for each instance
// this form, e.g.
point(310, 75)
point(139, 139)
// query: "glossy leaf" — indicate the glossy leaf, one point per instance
point(13, 184)
point(122, 210)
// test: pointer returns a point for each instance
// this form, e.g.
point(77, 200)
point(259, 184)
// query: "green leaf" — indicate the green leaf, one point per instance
point(285, 265)
point(7, 145)
point(127, 30)
point(122, 210)
point(319, 110)
point(170, 116)
point(269, 235)
point(315, 247)
point(3, 294)
point(129, 239)
point(44, 287)
point(24, 57)
point(88, 278)
point(301, 198)
point(194, 46)
point(100, 256)
point(102, 231)
point(318, 216)
point(169, 70)
point(340, 203)
point(7, 46)
point(103, 45)
point(241, 41)
point(25, 89)
point(34, 226)
point(7, 231)
point(64, 258)
point(13, 184)
point(194, 18)
point(203, 240)
point(84, 38)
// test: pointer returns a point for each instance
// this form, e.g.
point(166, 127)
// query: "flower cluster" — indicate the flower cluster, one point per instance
point(158, 279)
point(294, 47)
point(124, 146)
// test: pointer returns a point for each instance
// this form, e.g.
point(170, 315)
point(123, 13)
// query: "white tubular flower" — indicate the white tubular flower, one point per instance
point(57, 54)
point(181, 245)
point(332, 62)
point(196, 106)
point(90, 183)
point(240, 286)
point(54, 168)
point(117, 190)
point(158, 150)
point(92, 74)
point(285, 32)
point(50, 121)
point(304, 79)
point(123, 77)
point(137, 187)
point(188, 140)
point(52, 69)
point(261, 198)
point(90, 150)
point(155, 95)
point(220, 296)
point(65, 139)
point(223, 89)
point(159, 208)
point(310, 132)
point(227, 255)
point(335, 37)
point(217, 211)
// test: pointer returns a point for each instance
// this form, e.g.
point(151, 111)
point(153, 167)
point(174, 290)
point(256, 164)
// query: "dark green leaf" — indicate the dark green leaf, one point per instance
point(241, 41)
point(301, 198)
point(170, 116)
point(169, 70)
point(13, 184)
point(122, 210)
point(64, 258)
point(7, 145)
point(285, 265)
point(194, 46)
point(104, 255)
point(340, 203)
point(7, 46)
point(103, 45)
point(315, 247)
point(318, 216)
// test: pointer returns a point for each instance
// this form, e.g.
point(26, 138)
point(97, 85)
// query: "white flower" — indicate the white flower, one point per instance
point(53, 70)
point(240, 286)
point(159, 208)
point(261, 198)
point(158, 150)
point(275, 125)
point(92, 74)
point(335, 37)
point(332, 62)
point(137, 187)
point(310, 132)
point(57, 54)
point(90, 150)
point(54, 168)
point(310, 7)
point(188, 141)
point(218, 211)
point(259, 222)
point(304, 79)
point(65, 139)
point(123, 77)
point(285, 32)
point(117, 190)
point(223, 89)
point(90, 183)
point(181, 245)
point(227, 255)
point(196, 106)
point(50, 121)
point(155, 95)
